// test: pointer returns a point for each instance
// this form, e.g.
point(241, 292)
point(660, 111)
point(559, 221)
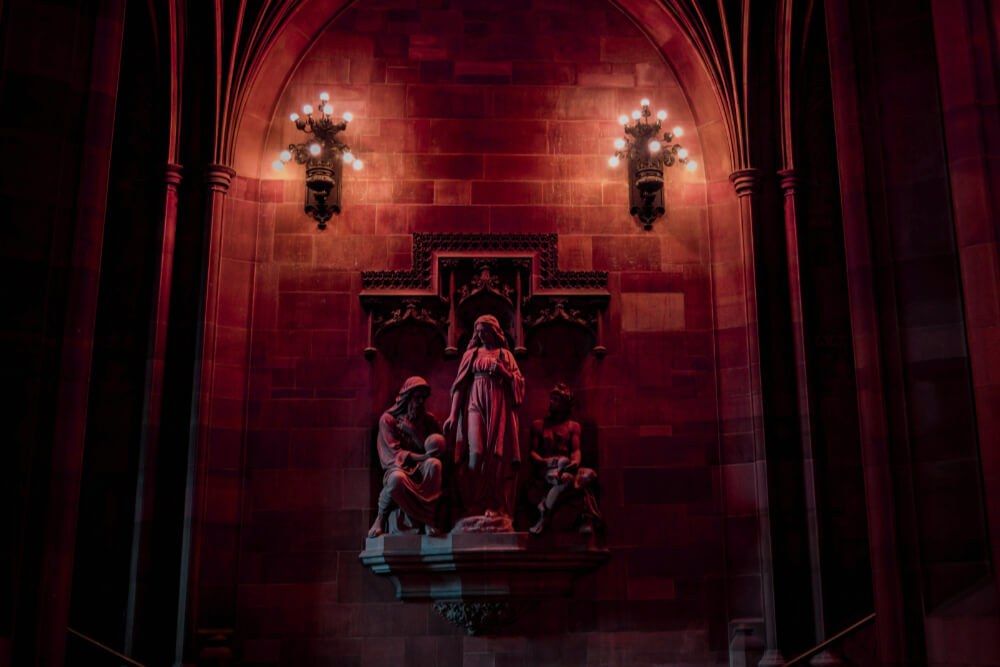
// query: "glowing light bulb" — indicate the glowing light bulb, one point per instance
point(358, 164)
point(613, 161)
point(623, 119)
point(327, 109)
point(324, 97)
point(348, 157)
point(637, 114)
point(692, 165)
point(278, 165)
point(307, 109)
point(654, 145)
point(348, 116)
point(682, 153)
point(294, 117)
point(314, 149)
point(678, 131)
point(661, 114)
point(286, 156)
point(619, 144)
point(644, 102)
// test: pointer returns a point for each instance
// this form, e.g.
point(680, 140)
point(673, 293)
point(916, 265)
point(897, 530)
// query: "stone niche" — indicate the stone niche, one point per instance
point(477, 569)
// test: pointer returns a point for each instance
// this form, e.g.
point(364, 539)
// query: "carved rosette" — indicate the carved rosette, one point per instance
point(457, 277)
point(478, 617)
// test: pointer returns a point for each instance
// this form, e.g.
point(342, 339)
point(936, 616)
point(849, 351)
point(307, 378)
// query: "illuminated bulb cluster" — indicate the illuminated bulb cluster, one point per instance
point(324, 129)
point(644, 143)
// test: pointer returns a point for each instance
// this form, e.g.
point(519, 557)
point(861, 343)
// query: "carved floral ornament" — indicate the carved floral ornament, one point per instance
point(457, 277)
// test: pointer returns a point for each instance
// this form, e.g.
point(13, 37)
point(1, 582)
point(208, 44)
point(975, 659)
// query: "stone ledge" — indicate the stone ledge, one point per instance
point(503, 570)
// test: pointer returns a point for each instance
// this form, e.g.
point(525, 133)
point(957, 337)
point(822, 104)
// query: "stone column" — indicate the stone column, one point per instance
point(81, 216)
point(747, 185)
point(217, 177)
point(789, 183)
point(857, 205)
point(153, 400)
point(965, 51)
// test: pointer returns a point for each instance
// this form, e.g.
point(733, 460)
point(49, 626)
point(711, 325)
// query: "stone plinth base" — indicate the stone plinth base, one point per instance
point(470, 574)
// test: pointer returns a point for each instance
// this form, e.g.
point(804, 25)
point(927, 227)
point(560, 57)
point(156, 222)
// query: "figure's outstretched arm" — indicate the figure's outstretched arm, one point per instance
point(575, 456)
point(452, 420)
point(457, 393)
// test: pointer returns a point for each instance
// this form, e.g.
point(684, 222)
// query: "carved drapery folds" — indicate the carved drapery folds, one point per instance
point(457, 277)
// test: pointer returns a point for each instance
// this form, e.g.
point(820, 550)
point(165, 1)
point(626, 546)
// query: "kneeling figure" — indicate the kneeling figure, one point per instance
point(410, 447)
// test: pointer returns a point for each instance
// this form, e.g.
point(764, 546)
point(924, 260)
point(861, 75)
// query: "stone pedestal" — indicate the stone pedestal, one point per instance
point(482, 580)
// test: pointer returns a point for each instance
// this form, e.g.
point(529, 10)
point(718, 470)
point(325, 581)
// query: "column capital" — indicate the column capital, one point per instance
point(172, 174)
point(746, 181)
point(219, 176)
point(789, 180)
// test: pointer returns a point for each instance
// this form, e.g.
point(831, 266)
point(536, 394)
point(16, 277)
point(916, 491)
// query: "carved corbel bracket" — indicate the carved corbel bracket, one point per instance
point(481, 617)
point(457, 277)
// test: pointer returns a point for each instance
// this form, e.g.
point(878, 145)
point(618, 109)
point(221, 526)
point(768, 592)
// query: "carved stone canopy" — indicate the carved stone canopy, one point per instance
point(457, 277)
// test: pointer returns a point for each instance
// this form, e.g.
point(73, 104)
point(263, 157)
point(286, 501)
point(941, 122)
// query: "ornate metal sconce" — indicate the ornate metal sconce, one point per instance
point(324, 157)
point(647, 154)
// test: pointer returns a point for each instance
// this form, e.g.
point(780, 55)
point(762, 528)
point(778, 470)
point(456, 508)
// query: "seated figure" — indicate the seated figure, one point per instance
point(410, 447)
point(558, 477)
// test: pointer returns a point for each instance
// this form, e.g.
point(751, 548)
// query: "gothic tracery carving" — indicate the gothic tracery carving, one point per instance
point(455, 278)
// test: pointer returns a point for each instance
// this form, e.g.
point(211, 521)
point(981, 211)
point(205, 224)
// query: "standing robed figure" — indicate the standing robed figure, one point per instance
point(483, 425)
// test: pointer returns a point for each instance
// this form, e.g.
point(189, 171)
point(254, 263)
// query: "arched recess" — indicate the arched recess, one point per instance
point(256, 99)
point(249, 282)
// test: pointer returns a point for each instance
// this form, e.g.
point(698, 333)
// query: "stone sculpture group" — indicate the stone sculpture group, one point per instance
point(462, 477)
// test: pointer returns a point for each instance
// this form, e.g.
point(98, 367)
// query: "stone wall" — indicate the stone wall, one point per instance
point(475, 117)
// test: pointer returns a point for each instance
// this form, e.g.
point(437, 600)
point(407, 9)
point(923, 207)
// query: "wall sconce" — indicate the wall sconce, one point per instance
point(647, 154)
point(324, 157)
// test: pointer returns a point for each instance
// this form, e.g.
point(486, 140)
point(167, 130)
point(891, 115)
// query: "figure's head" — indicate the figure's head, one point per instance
point(411, 397)
point(435, 445)
point(561, 400)
point(417, 398)
point(487, 333)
